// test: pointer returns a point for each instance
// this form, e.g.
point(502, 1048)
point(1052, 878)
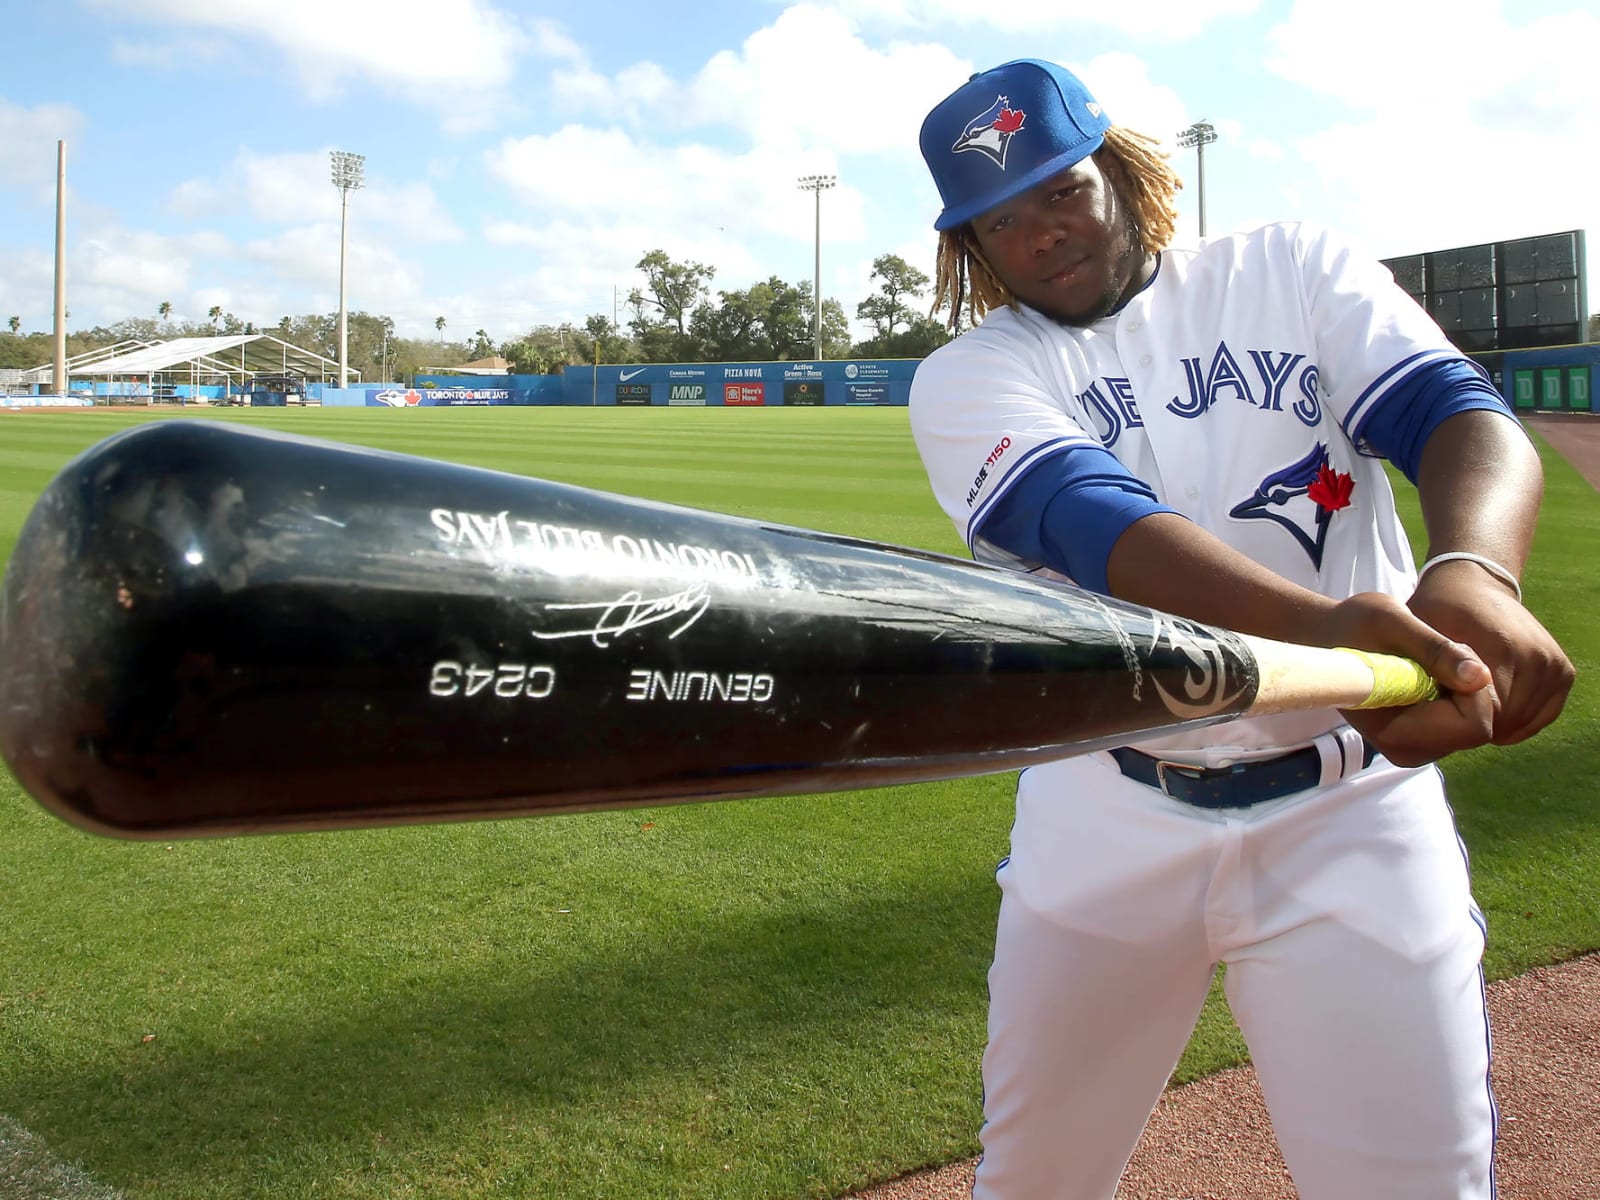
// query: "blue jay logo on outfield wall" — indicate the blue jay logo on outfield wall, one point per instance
point(991, 131)
point(1301, 498)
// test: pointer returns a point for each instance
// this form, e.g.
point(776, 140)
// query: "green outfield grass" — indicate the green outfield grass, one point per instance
point(760, 998)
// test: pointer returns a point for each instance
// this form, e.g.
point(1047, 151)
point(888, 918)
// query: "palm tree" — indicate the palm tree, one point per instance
point(439, 325)
point(15, 323)
point(215, 314)
point(164, 310)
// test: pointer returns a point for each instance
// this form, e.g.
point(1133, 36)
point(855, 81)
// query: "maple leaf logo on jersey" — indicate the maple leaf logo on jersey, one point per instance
point(991, 131)
point(1301, 498)
point(1331, 491)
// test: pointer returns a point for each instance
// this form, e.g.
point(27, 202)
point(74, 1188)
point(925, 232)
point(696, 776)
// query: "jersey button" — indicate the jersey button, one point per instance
point(1145, 360)
point(1191, 491)
point(1135, 326)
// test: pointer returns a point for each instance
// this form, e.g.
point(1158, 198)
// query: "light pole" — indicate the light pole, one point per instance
point(1199, 135)
point(348, 172)
point(817, 184)
point(58, 378)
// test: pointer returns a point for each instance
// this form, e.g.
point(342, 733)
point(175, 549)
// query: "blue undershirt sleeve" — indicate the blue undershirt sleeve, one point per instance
point(1399, 427)
point(1068, 510)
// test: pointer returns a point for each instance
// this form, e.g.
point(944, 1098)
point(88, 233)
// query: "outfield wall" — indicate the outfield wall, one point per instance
point(1557, 378)
point(873, 382)
point(867, 382)
point(1546, 379)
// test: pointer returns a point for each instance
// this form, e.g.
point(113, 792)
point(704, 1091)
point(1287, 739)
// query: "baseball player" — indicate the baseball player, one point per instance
point(1200, 432)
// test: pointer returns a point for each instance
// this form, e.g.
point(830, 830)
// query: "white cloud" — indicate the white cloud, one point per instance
point(1443, 147)
point(28, 139)
point(687, 188)
point(1170, 19)
point(635, 94)
point(288, 188)
point(115, 270)
point(1371, 52)
point(166, 54)
point(809, 80)
point(1122, 83)
point(471, 45)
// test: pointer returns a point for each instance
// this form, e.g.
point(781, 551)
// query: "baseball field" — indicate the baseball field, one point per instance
point(774, 997)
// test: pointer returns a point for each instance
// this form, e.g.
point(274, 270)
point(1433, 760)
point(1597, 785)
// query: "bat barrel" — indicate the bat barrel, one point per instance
point(210, 630)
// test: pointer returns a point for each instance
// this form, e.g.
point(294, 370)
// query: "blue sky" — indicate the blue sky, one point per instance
point(521, 157)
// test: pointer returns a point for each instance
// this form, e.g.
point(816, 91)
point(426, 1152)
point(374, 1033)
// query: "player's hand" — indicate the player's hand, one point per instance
point(1465, 714)
point(1532, 675)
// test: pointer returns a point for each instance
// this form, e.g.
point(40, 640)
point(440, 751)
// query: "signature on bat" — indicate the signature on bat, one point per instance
point(631, 611)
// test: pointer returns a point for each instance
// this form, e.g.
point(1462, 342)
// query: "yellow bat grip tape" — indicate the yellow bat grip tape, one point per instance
point(1396, 681)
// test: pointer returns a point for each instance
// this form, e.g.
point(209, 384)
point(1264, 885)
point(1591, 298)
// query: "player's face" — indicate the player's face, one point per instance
point(1067, 246)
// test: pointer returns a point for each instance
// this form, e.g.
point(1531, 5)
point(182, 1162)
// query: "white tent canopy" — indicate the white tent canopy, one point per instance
point(235, 357)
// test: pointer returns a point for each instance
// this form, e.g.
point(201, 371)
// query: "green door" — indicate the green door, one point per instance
point(1522, 388)
point(1578, 394)
point(1552, 388)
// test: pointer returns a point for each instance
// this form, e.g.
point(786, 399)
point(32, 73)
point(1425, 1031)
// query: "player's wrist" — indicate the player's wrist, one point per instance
point(1462, 562)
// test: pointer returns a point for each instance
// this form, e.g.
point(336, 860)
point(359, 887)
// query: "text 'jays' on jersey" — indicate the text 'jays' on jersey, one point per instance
point(1236, 384)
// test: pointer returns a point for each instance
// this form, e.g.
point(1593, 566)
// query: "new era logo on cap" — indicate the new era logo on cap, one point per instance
point(1028, 118)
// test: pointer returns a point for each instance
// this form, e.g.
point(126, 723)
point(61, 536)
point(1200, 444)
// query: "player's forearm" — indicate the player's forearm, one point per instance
point(1164, 561)
point(1480, 483)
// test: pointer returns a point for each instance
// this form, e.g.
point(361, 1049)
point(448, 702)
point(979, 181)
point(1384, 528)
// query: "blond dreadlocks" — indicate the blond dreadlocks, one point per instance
point(1145, 182)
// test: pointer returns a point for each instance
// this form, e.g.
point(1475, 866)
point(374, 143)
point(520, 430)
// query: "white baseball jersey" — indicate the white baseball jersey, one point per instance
point(1238, 405)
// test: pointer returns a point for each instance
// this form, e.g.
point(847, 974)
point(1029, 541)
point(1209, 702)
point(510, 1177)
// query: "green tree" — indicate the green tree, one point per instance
point(613, 346)
point(164, 310)
point(438, 323)
point(898, 283)
point(919, 339)
point(899, 328)
point(16, 324)
point(367, 336)
point(482, 345)
point(215, 314)
point(835, 330)
point(770, 320)
point(674, 288)
point(525, 358)
point(663, 310)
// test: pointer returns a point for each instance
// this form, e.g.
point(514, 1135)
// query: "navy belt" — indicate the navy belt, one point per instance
point(1238, 786)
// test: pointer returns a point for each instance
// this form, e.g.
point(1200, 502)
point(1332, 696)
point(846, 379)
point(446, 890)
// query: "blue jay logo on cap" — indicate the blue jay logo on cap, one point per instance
point(991, 131)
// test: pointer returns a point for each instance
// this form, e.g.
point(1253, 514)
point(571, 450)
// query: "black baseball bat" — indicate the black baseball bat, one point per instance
point(207, 630)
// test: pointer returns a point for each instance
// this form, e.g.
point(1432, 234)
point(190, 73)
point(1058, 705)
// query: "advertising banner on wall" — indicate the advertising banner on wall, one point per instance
point(746, 394)
point(473, 391)
point(851, 381)
point(804, 394)
point(422, 397)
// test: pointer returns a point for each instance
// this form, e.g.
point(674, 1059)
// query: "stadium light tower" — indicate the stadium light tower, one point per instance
point(349, 171)
point(1199, 135)
point(817, 184)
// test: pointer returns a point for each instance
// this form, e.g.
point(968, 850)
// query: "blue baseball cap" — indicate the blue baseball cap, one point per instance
point(1005, 130)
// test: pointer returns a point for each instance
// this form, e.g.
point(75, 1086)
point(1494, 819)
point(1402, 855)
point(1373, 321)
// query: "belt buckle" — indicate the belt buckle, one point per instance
point(1196, 774)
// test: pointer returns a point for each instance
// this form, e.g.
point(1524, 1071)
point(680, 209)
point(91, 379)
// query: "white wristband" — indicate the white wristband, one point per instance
point(1488, 564)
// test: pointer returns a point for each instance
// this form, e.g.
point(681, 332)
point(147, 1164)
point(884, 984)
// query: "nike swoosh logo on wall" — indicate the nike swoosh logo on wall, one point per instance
point(627, 375)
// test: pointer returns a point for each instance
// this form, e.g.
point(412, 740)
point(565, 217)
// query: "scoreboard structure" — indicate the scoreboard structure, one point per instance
point(1512, 295)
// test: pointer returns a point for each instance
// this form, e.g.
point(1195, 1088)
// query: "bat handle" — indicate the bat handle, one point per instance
point(1396, 681)
point(1295, 677)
